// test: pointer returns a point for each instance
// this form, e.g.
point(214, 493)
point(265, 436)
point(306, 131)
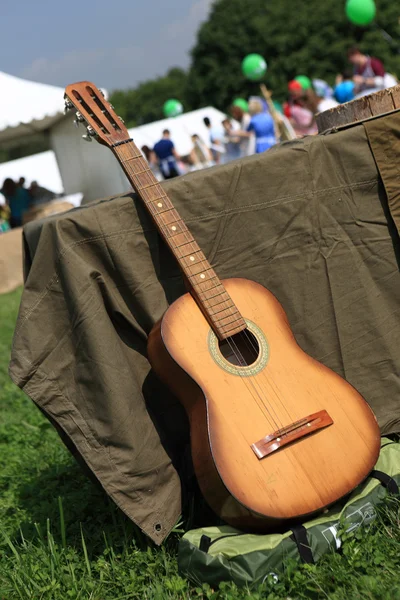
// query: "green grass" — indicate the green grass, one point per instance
point(61, 538)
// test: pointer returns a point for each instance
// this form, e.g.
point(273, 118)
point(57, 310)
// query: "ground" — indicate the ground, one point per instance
point(61, 538)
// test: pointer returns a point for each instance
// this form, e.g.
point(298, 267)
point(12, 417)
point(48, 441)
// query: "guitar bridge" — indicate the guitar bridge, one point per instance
point(295, 431)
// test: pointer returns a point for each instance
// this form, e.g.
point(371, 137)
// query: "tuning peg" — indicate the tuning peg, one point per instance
point(90, 133)
point(121, 119)
point(68, 105)
point(111, 105)
point(78, 119)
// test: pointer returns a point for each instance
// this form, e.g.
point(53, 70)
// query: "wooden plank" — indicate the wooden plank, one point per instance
point(361, 109)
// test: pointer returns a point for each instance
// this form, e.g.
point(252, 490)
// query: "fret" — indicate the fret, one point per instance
point(186, 243)
point(200, 272)
point(216, 312)
point(208, 297)
point(231, 320)
point(140, 172)
point(156, 208)
point(175, 221)
point(210, 288)
point(173, 235)
point(213, 306)
point(193, 254)
point(145, 187)
point(126, 160)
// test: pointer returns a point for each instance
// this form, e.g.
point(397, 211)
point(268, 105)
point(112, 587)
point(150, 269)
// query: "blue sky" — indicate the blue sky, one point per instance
point(115, 43)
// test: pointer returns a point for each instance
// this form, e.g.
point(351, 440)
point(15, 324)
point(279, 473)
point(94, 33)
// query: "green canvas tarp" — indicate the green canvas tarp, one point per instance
point(310, 220)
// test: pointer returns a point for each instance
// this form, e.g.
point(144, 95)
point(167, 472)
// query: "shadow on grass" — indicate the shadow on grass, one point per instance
point(71, 502)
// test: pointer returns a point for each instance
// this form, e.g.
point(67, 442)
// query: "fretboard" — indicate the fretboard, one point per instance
point(206, 287)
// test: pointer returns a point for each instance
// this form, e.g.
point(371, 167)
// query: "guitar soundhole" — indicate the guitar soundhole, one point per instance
point(241, 349)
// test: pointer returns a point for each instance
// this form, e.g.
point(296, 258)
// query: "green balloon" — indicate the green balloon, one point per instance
point(241, 103)
point(278, 106)
point(172, 108)
point(360, 12)
point(304, 81)
point(254, 67)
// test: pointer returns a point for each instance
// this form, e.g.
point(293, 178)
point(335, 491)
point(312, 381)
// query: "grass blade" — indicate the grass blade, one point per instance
point(85, 552)
point(62, 523)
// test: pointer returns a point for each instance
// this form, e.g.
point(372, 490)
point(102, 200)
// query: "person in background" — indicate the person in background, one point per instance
point(18, 200)
point(369, 72)
point(167, 156)
point(151, 159)
point(200, 155)
point(324, 95)
point(21, 182)
point(40, 194)
point(299, 111)
point(261, 125)
point(244, 119)
point(231, 142)
point(216, 140)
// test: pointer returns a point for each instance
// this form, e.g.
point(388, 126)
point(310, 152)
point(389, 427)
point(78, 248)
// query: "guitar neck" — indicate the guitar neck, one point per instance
point(206, 287)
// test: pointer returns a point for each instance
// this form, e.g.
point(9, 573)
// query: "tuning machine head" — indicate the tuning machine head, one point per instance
point(78, 118)
point(90, 134)
point(68, 105)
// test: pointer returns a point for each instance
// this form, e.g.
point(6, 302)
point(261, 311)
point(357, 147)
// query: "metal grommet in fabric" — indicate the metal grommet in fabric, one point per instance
point(157, 527)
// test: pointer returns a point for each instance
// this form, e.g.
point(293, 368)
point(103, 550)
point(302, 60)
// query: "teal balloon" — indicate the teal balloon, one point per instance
point(172, 108)
point(278, 106)
point(241, 103)
point(304, 81)
point(254, 67)
point(360, 12)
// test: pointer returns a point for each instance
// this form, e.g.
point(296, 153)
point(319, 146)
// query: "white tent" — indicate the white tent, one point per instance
point(27, 107)
point(93, 169)
point(40, 167)
point(43, 169)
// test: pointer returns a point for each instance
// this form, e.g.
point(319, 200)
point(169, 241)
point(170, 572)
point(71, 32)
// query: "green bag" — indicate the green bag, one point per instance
point(215, 554)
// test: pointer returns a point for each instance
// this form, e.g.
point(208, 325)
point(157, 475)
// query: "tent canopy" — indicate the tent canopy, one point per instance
point(27, 107)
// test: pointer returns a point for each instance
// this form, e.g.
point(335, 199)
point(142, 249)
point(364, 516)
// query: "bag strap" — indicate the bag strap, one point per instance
point(205, 543)
point(387, 481)
point(300, 537)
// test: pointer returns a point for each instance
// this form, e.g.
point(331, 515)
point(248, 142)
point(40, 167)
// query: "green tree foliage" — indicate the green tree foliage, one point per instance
point(144, 103)
point(309, 37)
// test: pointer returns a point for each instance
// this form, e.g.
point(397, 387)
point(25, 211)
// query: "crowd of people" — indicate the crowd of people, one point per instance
point(19, 199)
point(250, 131)
point(259, 125)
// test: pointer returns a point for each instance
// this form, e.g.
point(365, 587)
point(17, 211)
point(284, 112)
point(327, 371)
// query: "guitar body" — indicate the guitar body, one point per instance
point(252, 476)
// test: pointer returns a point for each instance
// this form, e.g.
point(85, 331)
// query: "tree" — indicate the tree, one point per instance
point(309, 38)
point(144, 103)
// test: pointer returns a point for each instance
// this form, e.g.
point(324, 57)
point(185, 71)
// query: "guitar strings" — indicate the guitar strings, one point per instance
point(231, 343)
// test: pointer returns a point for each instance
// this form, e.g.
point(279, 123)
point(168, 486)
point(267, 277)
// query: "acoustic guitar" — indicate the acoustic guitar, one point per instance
point(275, 435)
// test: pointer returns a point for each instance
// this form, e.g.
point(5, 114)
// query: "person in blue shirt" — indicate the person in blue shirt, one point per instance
point(18, 199)
point(167, 156)
point(261, 125)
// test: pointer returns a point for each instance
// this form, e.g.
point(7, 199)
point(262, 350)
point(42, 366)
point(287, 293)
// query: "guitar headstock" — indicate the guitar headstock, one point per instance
point(93, 110)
